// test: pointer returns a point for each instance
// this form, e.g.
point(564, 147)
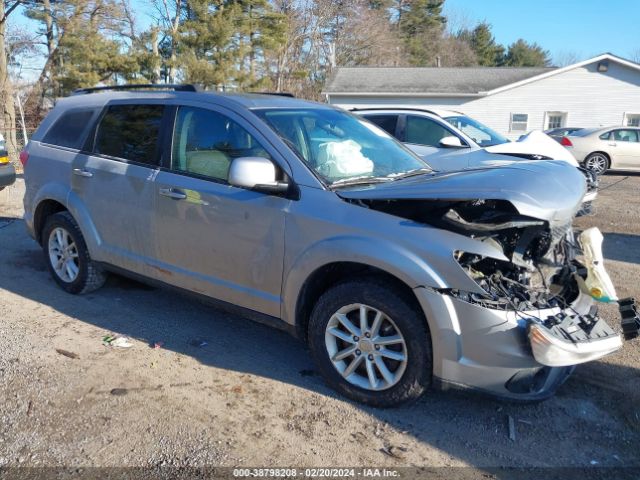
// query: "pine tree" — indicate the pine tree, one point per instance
point(421, 25)
point(488, 52)
point(84, 43)
point(524, 54)
point(222, 43)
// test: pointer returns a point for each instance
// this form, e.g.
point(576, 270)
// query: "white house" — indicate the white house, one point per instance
point(601, 91)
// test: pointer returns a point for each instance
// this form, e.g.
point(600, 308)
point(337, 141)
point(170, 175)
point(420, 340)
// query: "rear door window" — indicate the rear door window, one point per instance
point(625, 136)
point(70, 128)
point(387, 122)
point(130, 132)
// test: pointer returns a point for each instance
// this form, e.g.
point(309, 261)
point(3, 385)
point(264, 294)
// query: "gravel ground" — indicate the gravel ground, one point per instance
point(250, 396)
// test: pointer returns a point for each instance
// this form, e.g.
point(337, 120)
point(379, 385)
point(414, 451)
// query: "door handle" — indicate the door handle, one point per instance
point(173, 193)
point(82, 173)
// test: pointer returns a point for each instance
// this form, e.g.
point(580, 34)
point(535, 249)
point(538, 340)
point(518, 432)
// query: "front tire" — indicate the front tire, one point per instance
point(371, 343)
point(67, 255)
point(597, 163)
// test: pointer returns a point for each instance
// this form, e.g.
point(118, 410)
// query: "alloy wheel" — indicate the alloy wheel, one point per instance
point(63, 255)
point(597, 164)
point(366, 347)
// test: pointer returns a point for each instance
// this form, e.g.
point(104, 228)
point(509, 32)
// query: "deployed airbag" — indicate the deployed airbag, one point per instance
point(342, 159)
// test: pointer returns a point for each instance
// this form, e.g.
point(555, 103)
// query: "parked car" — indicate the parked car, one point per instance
point(310, 218)
point(601, 149)
point(450, 141)
point(7, 171)
point(559, 133)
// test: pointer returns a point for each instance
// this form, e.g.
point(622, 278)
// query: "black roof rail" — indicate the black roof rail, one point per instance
point(180, 87)
point(280, 94)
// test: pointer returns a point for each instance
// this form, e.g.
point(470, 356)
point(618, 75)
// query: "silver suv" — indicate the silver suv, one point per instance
point(314, 219)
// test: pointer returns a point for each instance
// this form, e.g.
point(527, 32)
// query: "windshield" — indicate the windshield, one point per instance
point(342, 148)
point(479, 133)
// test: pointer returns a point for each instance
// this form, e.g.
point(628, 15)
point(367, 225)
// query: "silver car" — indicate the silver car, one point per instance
point(601, 149)
point(312, 219)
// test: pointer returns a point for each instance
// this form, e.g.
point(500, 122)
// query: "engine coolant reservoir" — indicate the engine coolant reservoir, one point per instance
point(598, 282)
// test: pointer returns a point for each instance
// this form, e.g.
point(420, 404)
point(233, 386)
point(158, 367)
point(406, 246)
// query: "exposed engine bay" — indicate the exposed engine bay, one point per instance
point(542, 258)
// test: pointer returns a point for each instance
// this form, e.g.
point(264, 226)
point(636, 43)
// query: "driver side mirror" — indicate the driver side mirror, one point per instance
point(451, 142)
point(255, 173)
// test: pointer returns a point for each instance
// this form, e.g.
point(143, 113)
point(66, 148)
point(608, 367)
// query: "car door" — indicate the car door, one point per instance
point(625, 146)
point(113, 178)
point(210, 237)
point(423, 136)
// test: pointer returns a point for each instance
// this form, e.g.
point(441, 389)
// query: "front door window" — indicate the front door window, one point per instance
point(205, 142)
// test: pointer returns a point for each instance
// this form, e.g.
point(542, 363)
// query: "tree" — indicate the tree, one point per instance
point(222, 42)
point(454, 52)
point(565, 57)
point(360, 34)
point(85, 44)
point(524, 54)
point(481, 40)
point(100, 24)
point(421, 25)
point(163, 37)
point(7, 106)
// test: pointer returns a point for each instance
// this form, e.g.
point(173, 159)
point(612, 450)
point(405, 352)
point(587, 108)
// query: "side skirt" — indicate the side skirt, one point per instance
point(227, 307)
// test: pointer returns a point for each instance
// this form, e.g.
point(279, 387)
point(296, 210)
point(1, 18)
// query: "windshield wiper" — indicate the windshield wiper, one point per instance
point(360, 181)
point(411, 173)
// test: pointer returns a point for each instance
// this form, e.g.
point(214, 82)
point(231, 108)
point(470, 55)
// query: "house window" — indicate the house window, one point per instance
point(632, 119)
point(519, 122)
point(556, 120)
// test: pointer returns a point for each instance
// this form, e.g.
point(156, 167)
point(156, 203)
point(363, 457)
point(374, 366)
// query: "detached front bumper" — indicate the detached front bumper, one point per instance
point(491, 351)
point(571, 339)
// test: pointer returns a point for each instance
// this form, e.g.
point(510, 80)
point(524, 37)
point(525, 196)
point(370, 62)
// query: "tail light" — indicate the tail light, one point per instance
point(566, 142)
point(4, 157)
point(24, 157)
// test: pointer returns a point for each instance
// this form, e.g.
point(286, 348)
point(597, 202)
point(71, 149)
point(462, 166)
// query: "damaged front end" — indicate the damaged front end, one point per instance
point(542, 281)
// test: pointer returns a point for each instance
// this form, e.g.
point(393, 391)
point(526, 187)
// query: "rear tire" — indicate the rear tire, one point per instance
point(346, 351)
point(597, 163)
point(67, 255)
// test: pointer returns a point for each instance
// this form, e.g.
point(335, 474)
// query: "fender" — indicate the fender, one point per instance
point(64, 195)
point(49, 191)
point(403, 264)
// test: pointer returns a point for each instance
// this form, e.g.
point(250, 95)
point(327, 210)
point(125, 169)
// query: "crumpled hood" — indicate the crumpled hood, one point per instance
point(548, 190)
point(535, 143)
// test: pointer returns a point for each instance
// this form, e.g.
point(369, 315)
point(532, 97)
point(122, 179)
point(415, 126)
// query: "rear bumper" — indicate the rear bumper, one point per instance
point(490, 350)
point(7, 175)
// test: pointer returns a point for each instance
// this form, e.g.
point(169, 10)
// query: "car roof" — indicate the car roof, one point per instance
point(247, 100)
point(590, 131)
point(432, 111)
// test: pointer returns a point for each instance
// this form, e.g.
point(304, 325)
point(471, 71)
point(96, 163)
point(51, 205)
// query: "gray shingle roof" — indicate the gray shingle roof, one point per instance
point(394, 80)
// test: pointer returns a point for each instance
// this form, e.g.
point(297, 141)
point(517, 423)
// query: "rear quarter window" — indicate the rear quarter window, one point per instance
point(605, 136)
point(70, 128)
